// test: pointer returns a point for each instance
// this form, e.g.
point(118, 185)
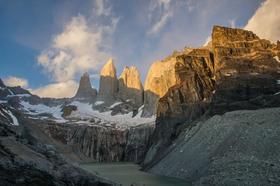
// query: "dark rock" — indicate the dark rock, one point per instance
point(85, 91)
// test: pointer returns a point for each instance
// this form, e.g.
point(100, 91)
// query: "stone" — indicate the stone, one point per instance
point(85, 91)
point(108, 85)
point(130, 86)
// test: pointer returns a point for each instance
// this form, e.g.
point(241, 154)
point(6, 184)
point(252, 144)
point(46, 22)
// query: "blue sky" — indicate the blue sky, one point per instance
point(53, 42)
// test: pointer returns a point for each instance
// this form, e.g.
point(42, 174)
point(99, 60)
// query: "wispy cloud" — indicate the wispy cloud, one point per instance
point(266, 20)
point(161, 8)
point(13, 81)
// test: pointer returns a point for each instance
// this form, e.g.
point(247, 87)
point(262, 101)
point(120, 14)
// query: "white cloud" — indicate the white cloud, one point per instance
point(83, 45)
point(57, 90)
point(101, 9)
point(13, 81)
point(80, 47)
point(266, 20)
point(161, 8)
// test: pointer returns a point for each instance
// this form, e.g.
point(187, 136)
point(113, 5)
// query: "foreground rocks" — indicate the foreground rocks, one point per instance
point(237, 148)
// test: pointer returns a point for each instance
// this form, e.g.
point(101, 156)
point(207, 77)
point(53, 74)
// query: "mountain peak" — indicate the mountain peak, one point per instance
point(85, 90)
point(1, 83)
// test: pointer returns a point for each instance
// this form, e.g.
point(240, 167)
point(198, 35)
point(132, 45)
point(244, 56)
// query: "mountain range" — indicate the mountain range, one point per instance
point(209, 115)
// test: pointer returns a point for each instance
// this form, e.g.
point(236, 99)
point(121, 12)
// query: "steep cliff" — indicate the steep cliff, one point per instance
point(98, 143)
point(247, 72)
point(161, 76)
point(130, 86)
point(108, 84)
point(184, 102)
point(85, 91)
point(241, 71)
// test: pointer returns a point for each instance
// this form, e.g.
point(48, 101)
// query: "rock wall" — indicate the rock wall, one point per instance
point(184, 102)
point(100, 144)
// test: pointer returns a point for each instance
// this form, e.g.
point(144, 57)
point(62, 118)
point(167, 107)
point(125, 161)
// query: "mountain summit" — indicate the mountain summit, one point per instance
point(108, 81)
point(85, 91)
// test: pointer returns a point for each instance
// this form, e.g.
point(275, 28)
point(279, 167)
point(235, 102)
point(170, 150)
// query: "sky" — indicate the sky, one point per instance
point(45, 46)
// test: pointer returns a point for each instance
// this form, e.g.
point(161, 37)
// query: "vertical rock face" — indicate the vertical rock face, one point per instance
point(101, 144)
point(130, 86)
point(108, 85)
point(241, 73)
point(85, 91)
point(160, 78)
point(184, 102)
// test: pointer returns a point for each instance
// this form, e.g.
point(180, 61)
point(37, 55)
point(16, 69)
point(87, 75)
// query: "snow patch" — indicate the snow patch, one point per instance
point(98, 103)
point(43, 109)
point(14, 119)
point(85, 111)
point(115, 104)
point(3, 101)
point(278, 81)
point(19, 95)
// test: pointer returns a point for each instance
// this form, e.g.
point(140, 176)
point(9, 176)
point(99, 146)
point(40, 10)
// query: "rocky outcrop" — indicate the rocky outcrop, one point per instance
point(108, 85)
point(237, 148)
point(246, 71)
point(85, 91)
point(130, 86)
point(161, 76)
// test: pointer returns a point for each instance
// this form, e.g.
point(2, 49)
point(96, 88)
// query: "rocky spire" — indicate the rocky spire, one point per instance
point(85, 91)
point(130, 86)
point(1, 83)
point(108, 85)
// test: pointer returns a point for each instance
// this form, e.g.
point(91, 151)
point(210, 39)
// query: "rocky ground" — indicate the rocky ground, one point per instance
point(236, 148)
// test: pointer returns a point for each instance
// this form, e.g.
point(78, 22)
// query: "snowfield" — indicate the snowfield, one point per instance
point(85, 114)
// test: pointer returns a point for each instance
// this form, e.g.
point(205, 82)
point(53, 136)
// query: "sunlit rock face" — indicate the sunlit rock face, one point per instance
point(184, 102)
point(240, 72)
point(85, 91)
point(246, 68)
point(108, 85)
point(130, 86)
point(160, 78)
